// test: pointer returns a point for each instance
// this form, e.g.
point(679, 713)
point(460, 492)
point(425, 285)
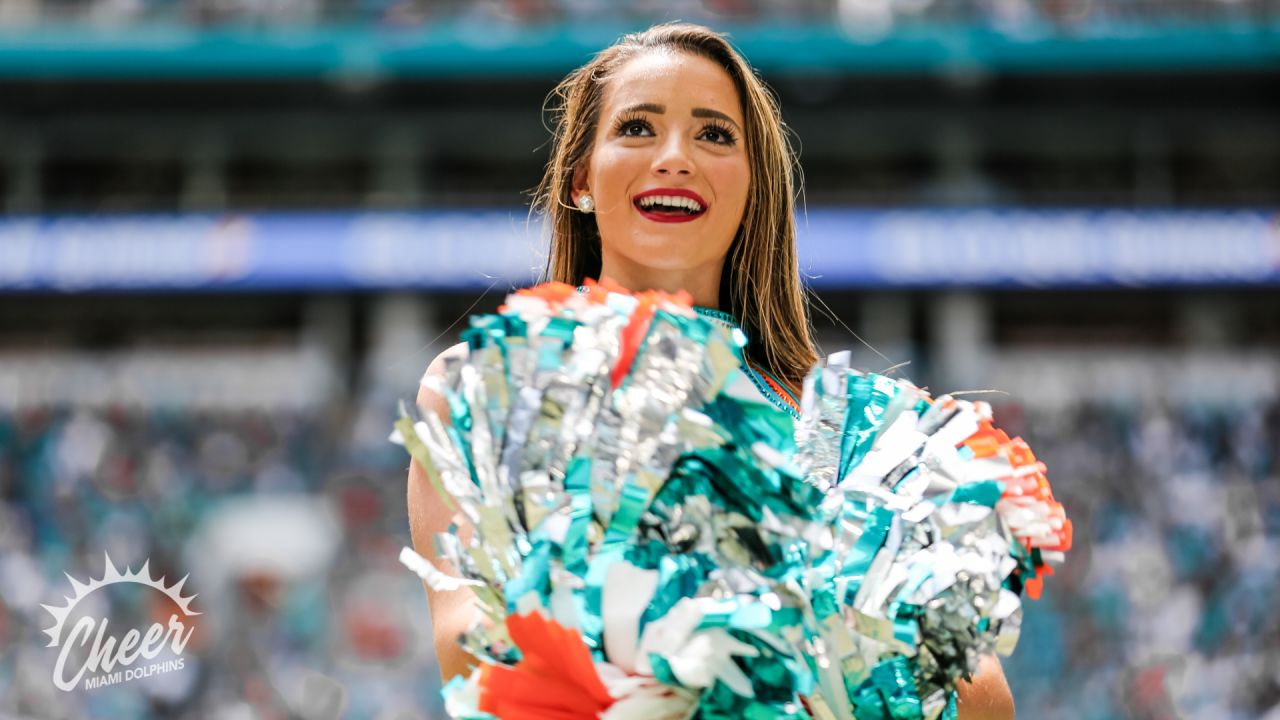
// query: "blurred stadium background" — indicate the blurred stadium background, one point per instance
point(236, 231)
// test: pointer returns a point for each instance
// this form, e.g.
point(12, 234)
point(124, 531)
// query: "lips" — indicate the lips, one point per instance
point(670, 205)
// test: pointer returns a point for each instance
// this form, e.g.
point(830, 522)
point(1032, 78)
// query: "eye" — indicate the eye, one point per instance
point(719, 134)
point(631, 126)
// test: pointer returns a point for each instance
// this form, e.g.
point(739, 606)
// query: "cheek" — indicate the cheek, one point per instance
point(734, 183)
point(612, 169)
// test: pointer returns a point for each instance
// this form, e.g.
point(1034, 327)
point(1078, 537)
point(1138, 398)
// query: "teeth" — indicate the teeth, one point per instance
point(671, 201)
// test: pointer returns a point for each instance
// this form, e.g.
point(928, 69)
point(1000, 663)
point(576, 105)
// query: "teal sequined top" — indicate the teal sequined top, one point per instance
point(757, 377)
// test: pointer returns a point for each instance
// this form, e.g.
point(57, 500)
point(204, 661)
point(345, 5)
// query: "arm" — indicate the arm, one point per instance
point(451, 612)
point(987, 697)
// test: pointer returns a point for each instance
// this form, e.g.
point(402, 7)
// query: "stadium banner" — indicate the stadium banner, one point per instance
point(463, 250)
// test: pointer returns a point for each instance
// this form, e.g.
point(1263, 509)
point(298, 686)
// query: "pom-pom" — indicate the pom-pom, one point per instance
point(652, 541)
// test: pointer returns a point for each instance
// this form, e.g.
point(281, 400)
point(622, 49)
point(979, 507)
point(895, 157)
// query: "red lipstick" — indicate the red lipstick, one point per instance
point(671, 213)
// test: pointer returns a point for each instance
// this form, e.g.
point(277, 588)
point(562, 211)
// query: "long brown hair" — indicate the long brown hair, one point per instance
point(760, 284)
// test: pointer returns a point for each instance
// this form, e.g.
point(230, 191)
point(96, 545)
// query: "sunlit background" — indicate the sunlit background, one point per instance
point(236, 231)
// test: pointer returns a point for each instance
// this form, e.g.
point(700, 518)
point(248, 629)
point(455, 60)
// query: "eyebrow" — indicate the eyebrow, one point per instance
point(698, 112)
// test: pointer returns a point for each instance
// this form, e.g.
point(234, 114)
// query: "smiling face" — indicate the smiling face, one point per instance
point(668, 172)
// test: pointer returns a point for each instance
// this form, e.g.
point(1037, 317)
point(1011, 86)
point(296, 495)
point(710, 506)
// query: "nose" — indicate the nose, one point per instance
point(673, 158)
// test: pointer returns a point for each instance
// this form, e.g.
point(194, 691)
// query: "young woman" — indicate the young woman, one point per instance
point(670, 170)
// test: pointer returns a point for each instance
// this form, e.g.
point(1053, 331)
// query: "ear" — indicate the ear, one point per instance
point(579, 184)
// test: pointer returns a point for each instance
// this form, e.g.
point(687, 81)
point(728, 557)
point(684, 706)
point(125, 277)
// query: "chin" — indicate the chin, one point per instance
point(666, 256)
point(671, 251)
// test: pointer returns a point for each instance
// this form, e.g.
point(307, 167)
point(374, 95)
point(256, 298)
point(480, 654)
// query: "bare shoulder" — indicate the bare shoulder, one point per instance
point(426, 397)
point(453, 351)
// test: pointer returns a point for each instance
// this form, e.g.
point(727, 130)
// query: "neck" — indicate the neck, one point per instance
point(702, 283)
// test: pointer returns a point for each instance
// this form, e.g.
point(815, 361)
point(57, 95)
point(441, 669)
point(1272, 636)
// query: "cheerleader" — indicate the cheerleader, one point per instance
point(670, 170)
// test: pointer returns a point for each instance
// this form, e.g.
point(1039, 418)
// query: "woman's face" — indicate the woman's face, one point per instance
point(668, 170)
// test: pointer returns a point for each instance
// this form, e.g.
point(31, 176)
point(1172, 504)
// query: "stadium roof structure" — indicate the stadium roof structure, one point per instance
point(461, 49)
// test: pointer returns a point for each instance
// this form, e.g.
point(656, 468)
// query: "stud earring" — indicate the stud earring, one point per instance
point(586, 204)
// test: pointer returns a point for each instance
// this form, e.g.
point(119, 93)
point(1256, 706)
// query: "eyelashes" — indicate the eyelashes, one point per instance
point(627, 125)
point(726, 132)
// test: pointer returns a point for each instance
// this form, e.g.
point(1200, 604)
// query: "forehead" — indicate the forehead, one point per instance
point(677, 79)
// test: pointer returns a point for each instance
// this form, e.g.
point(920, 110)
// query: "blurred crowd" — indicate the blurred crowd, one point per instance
point(1165, 606)
point(1011, 16)
point(290, 535)
point(290, 524)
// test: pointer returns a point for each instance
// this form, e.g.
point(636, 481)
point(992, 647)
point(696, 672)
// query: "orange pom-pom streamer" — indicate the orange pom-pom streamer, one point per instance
point(1027, 484)
point(555, 679)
